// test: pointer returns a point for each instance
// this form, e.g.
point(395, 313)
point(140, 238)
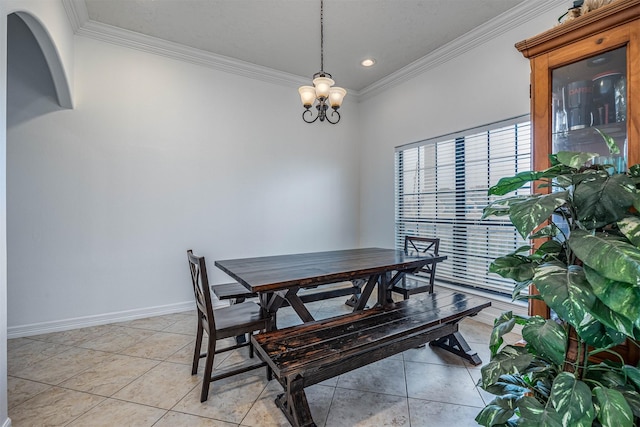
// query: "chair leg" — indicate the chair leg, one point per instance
point(208, 368)
point(250, 349)
point(196, 351)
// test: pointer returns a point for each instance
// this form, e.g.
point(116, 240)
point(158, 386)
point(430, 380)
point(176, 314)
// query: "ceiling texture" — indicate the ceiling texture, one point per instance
point(283, 36)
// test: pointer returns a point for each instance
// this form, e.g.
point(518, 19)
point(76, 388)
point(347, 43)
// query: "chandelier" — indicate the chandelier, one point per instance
point(322, 92)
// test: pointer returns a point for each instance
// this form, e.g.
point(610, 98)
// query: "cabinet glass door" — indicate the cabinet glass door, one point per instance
point(589, 98)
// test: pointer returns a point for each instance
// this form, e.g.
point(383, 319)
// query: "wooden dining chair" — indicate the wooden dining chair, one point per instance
point(423, 279)
point(237, 319)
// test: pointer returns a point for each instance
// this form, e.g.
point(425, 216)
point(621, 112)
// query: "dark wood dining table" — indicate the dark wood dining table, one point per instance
point(279, 278)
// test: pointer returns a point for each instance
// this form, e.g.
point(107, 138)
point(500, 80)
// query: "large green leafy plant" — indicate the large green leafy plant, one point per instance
point(587, 270)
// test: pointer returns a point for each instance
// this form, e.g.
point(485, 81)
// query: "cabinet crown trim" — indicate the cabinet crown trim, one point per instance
point(614, 14)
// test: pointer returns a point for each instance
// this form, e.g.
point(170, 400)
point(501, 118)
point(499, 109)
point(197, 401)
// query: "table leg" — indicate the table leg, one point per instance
point(384, 291)
point(366, 293)
point(298, 306)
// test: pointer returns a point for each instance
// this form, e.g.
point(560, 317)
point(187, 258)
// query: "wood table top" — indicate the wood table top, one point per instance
point(271, 273)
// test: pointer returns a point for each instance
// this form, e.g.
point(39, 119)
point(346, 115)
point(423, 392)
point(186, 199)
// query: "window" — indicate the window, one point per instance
point(441, 189)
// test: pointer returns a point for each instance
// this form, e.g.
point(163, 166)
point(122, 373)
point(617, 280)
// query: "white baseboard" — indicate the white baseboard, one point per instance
point(94, 320)
point(498, 305)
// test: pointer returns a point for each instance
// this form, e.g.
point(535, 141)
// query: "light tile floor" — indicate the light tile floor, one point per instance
point(138, 374)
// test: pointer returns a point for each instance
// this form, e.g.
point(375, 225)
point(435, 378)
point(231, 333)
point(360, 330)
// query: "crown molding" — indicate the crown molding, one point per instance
point(83, 26)
point(76, 12)
point(141, 42)
point(489, 30)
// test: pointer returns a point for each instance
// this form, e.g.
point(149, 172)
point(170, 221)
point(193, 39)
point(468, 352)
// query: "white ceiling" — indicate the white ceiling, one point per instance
point(284, 35)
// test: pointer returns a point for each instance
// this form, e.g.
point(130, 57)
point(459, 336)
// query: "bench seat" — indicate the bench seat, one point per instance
point(235, 291)
point(307, 354)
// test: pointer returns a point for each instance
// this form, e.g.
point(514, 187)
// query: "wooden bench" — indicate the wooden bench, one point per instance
point(237, 293)
point(307, 354)
point(232, 291)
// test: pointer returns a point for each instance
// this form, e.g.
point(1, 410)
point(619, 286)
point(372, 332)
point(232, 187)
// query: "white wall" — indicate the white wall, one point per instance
point(159, 156)
point(486, 84)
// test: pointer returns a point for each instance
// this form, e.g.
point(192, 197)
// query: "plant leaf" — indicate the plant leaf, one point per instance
point(612, 408)
point(509, 184)
point(572, 399)
point(518, 288)
point(566, 291)
point(611, 143)
point(575, 159)
point(510, 385)
point(546, 338)
point(634, 171)
point(501, 207)
point(547, 231)
point(518, 268)
point(550, 247)
point(528, 214)
point(632, 374)
point(509, 360)
point(604, 374)
point(630, 227)
point(601, 199)
point(498, 411)
point(609, 256)
point(601, 336)
point(534, 414)
point(502, 325)
point(622, 298)
point(633, 399)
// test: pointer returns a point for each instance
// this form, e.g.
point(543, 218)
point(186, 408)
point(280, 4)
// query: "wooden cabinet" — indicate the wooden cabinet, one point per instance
point(585, 75)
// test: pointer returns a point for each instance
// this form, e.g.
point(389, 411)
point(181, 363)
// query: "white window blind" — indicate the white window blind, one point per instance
point(441, 189)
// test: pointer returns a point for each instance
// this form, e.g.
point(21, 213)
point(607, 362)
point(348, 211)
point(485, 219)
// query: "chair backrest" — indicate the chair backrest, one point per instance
point(419, 245)
point(200, 283)
point(423, 245)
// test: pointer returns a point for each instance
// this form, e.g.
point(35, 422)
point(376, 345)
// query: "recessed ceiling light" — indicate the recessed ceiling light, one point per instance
point(368, 62)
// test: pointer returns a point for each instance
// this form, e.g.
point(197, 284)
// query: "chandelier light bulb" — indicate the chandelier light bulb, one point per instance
point(307, 95)
point(336, 95)
point(323, 85)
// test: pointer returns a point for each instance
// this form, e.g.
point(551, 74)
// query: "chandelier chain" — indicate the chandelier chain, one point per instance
point(322, 36)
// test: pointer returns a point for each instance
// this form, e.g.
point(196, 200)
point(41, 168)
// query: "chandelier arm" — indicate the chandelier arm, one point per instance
point(310, 114)
point(334, 112)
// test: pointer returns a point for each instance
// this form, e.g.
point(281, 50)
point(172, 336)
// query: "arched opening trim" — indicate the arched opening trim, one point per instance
point(50, 53)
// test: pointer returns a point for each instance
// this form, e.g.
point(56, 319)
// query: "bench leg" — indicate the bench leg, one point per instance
point(240, 339)
point(456, 344)
point(294, 404)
